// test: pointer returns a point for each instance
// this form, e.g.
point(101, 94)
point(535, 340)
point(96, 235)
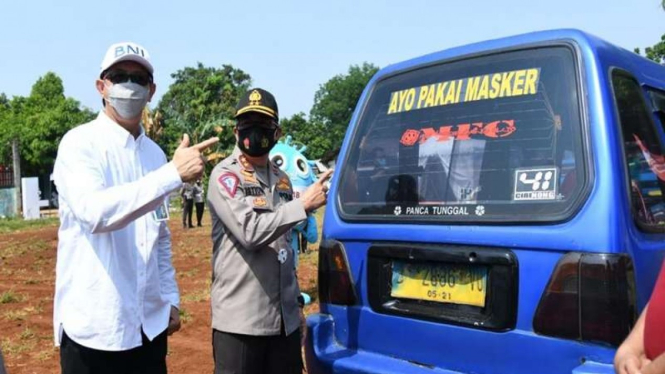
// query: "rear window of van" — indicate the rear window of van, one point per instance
point(496, 137)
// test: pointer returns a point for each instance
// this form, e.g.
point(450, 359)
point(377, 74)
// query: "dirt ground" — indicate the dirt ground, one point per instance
point(27, 276)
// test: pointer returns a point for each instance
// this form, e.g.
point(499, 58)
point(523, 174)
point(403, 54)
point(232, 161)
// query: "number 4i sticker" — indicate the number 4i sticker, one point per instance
point(535, 184)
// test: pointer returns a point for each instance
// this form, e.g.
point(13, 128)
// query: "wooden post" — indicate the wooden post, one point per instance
point(16, 157)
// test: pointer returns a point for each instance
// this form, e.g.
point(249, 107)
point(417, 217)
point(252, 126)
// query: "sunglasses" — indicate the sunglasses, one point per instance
point(121, 76)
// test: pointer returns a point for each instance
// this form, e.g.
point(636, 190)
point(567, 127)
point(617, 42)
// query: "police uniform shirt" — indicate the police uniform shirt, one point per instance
point(254, 283)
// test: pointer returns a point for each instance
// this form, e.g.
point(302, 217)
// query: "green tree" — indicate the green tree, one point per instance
point(201, 102)
point(336, 100)
point(656, 52)
point(313, 135)
point(5, 112)
point(39, 121)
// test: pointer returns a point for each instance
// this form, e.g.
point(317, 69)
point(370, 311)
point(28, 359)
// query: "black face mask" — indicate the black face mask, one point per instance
point(256, 141)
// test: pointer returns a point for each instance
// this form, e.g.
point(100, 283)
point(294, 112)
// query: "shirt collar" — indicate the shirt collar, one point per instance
point(119, 134)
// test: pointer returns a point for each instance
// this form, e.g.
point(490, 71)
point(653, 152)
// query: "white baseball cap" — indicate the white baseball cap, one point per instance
point(126, 51)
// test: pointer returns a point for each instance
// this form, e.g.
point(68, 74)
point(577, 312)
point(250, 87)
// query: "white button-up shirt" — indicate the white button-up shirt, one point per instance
point(114, 274)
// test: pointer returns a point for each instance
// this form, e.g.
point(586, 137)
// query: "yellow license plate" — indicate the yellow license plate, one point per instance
point(444, 283)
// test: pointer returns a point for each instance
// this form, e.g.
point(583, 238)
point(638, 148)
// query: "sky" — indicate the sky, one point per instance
point(289, 47)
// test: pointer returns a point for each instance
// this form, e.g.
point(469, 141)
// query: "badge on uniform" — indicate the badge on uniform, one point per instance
point(161, 213)
point(282, 255)
point(284, 184)
point(260, 202)
point(230, 183)
point(249, 177)
point(243, 161)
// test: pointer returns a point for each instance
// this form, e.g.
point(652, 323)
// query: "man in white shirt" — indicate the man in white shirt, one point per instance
point(116, 297)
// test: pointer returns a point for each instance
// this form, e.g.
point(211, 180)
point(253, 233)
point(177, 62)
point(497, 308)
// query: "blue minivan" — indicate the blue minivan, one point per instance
point(497, 208)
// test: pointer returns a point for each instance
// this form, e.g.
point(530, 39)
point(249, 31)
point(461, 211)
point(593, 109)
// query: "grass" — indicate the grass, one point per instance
point(46, 354)
point(202, 295)
point(27, 334)
point(16, 315)
point(189, 273)
point(15, 347)
point(21, 248)
point(21, 314)
point(8, 225)
point(185, 317)
point(9, 297)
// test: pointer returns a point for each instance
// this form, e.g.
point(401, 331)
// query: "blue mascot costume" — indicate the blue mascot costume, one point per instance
point(289, 157)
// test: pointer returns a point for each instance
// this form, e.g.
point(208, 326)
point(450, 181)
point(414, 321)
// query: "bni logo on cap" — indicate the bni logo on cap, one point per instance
point(133, 49)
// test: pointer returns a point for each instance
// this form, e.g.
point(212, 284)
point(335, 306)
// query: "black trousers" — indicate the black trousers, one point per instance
point(247, 354)
point(2, 365)
point(199, 212)
point(149, 358)
point(188, 205)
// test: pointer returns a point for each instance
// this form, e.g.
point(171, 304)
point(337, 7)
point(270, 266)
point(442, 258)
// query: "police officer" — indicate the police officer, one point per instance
point(257, 317)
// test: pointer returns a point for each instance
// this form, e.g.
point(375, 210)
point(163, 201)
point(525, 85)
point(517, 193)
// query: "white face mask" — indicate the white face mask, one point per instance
point(128, 99)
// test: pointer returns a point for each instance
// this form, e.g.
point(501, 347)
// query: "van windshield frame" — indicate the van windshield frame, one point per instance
point(449, 142)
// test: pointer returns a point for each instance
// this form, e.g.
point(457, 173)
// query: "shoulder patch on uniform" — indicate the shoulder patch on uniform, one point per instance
point(245, 164)
point(284, 184)
point(230, 183)
point(260, 202)
point(249, 177)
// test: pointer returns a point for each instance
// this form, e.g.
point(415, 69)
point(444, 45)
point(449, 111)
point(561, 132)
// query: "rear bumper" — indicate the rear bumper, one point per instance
point(324, 355)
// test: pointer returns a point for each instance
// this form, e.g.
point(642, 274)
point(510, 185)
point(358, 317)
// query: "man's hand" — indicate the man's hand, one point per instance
point(174, 321)
point(316, 195)
point(629, 362)
point(303, 327)
point(188, 159)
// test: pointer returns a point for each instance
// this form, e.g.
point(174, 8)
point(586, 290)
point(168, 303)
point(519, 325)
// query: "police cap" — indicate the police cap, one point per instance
point(260, 101)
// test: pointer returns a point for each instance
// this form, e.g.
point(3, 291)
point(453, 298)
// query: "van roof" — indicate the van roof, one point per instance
point(648, 72)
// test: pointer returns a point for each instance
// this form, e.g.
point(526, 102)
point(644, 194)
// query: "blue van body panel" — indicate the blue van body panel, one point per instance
point(358, 340)
point(325, 355)
point(362, 329)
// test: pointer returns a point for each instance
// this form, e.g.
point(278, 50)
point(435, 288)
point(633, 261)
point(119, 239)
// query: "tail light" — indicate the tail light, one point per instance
point(590, 297)
point(335, 285)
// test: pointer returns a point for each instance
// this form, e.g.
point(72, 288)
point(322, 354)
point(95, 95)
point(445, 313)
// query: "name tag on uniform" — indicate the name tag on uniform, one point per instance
point(161, 213)
point(254, 191)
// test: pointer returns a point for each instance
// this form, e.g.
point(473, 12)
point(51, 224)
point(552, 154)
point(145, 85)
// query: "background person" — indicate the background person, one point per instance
point(187, 194)
point(199, 202)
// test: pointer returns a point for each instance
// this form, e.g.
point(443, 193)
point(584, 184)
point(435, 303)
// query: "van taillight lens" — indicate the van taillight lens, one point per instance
point(335, 285)
point(590, 297)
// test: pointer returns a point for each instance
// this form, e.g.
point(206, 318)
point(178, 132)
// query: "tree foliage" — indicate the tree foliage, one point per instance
point(38, 121)
point(312, 134)
point(336, 100)
point(201, 102)
point(656, 52)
